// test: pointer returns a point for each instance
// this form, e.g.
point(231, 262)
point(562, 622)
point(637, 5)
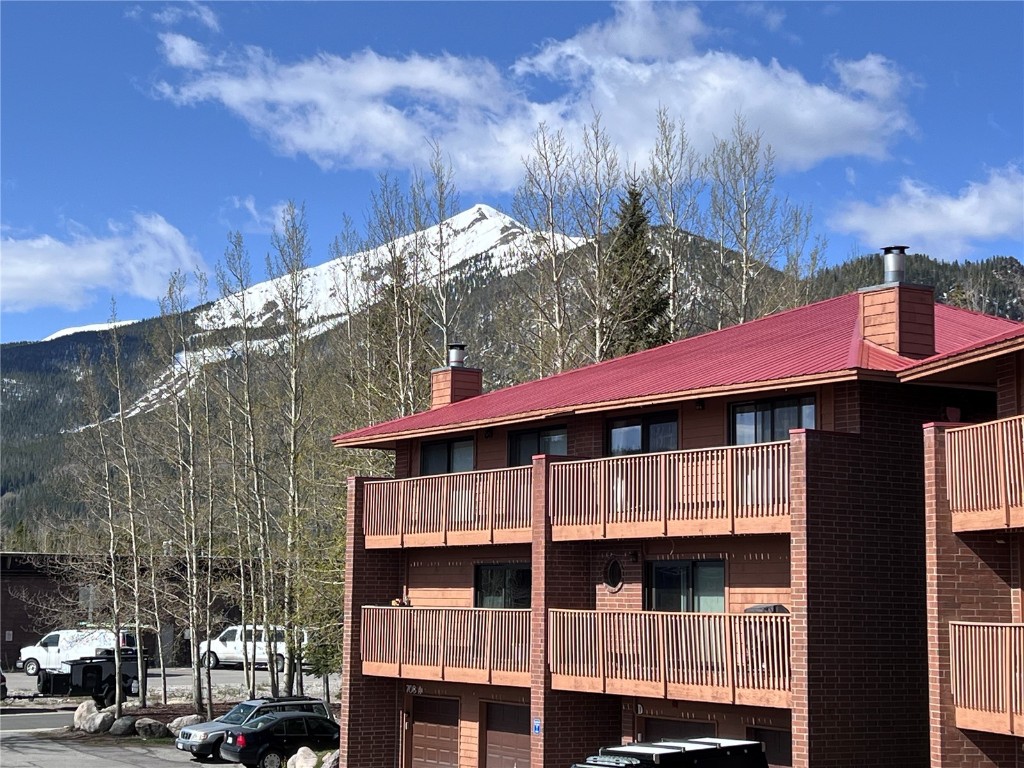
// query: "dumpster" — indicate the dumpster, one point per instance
point(91, 677)
point(681, 753)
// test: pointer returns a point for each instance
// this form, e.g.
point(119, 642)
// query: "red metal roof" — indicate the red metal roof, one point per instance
point(821, 340)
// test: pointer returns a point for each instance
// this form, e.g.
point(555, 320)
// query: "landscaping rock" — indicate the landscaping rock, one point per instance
point(85, 709)
point(98, 723)
point(331, 761)
point(184, 721)
point(123, 726)
point(304, 758)
point(148, 728)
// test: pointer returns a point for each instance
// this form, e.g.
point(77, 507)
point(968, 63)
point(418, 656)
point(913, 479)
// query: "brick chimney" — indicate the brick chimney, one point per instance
point(455, 381)
point(897, 315)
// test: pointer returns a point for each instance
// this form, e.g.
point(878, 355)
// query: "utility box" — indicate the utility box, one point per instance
point(681, 753)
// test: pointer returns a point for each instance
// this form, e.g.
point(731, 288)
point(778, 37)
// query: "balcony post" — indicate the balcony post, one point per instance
point(1003, 472)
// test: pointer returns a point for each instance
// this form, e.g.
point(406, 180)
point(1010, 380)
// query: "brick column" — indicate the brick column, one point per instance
point(573, 725)
point(968, 578)
point(371, 726)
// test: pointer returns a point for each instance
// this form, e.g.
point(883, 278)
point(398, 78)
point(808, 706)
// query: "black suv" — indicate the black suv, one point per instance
point(203, 740)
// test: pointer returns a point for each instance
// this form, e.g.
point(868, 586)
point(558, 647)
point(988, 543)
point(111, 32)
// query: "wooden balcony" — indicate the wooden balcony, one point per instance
point(490, 507)
point(985, 475)
point(713, 657)
point(739, 489)
point(987, 672)
point(465, 645)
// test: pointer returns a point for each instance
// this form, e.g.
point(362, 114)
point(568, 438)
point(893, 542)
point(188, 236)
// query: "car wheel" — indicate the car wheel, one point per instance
point(280, 663)
point(31, 667)
point(209, 660)
point(272, 759)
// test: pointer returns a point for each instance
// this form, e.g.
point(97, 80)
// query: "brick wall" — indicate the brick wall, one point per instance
point(370, 724)
point(1010, 385)
point(970, 577)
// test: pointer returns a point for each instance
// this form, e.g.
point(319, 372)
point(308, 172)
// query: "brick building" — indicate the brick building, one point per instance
point(721, 536)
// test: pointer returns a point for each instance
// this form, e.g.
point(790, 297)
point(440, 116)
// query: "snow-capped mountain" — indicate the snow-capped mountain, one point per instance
point(478, 231)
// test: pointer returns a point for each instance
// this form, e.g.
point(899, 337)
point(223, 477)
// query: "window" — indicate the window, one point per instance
point(523, 446)
point(643, 434)
point(445, 457)
point(228, 635)
point(765, 421)
point(685, 585)
point(50, 641)
point(506, 585)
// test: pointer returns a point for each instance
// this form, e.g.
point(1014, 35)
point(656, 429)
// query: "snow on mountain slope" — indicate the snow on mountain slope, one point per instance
point(330, 286)
point(83, 328)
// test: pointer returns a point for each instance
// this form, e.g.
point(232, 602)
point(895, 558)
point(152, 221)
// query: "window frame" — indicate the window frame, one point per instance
point(771, 406)
point(448, 444)
point(692, 565)
point(508, 567)
point(515, 437)
point(646, 420)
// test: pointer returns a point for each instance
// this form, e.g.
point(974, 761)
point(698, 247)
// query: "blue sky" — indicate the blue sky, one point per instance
point(135, 137)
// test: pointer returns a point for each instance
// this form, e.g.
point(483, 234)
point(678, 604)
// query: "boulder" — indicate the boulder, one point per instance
point(304, 758)
point(85, 709)
point(148, 728)
point(331, 760)
point(98, 723)
point(184, 721)
point(123, 726)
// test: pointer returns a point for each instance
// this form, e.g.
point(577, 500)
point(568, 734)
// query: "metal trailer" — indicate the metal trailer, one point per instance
point(93, 677)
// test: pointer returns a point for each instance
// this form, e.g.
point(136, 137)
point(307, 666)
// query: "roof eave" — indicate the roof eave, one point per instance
point(388, 440)
point(949, 362)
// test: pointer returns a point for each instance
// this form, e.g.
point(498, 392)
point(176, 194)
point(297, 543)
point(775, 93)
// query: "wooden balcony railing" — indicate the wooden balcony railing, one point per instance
point(987, 671)
point(985, 475)
point(489, 507)
point(716, 657)
point(467, 645)
point(739, 489)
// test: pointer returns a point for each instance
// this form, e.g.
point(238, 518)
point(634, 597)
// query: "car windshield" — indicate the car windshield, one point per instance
point(238, 715)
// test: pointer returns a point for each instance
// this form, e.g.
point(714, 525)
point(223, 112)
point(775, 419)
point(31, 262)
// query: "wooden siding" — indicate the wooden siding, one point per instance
point(467, 645)
point(987, 672)
point(444, 578)
point(740, 489)
point(724, 658)
point(985, 475)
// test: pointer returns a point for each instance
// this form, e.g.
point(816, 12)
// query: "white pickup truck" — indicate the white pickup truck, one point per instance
point(63, 645)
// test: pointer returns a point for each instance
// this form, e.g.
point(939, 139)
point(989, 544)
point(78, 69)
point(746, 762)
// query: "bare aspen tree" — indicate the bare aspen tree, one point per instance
point(753, 229)
point(290, 362)
point(675, 184)
point(435, 199)
point(544, 279)
point(400, 316)
point(596, 181)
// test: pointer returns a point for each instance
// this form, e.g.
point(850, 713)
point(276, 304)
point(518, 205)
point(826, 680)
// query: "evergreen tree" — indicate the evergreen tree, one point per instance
point(638, 294)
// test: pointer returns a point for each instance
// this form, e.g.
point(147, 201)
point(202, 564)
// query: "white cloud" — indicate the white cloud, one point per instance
point(940, 224)
point(260, 220)
point(184, 52)
point(136, 258)
point(370, 111)
point(192, 11)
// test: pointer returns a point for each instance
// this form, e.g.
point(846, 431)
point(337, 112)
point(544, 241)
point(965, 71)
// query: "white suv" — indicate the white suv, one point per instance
point(230, 645)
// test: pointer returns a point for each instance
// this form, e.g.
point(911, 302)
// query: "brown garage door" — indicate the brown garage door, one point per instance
point(435, 732)
point(656, 729)
point(508, 736)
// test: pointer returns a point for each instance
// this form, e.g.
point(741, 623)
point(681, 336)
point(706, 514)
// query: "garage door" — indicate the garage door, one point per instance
point(508, 736)
point(435, 732)
point(656, 729)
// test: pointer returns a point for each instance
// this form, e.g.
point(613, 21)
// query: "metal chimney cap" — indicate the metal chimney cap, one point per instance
point(456, 355)
point(894, 259)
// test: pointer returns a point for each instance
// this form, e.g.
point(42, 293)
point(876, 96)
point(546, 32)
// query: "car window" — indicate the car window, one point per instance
point(319, 727)
point(238, 714)
point(258, 723)
point(50, 640)
point(228, 635)
point(248, 635)
point(278, 635)
point(295, 726)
